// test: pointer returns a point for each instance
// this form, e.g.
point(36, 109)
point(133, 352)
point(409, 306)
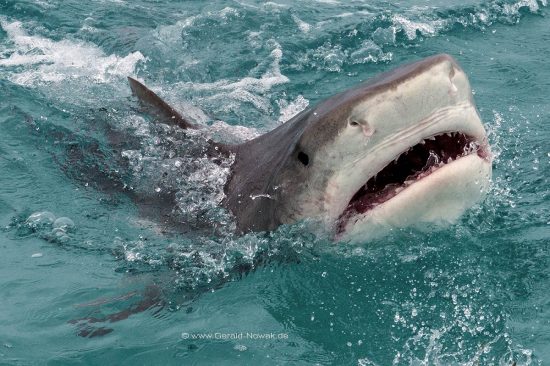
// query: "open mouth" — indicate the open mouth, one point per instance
point(418, 162)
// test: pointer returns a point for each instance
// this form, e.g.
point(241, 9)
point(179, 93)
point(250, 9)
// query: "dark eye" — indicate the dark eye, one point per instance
point(304, 159)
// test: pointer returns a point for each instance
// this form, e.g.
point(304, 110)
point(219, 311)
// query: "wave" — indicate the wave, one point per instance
point(372, 36)
point(32, 59)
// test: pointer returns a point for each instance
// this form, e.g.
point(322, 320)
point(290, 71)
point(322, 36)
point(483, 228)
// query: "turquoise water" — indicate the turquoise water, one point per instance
point(72, 135)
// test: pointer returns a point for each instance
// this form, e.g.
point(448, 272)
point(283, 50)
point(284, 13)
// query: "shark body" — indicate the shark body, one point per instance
point(403, 148)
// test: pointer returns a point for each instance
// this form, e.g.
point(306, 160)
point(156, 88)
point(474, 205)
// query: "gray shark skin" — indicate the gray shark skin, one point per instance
point(402, 148)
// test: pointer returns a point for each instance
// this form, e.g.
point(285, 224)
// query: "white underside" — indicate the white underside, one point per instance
point(439, 198)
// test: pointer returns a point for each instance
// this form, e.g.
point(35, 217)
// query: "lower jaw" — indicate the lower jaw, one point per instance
point(439, 198)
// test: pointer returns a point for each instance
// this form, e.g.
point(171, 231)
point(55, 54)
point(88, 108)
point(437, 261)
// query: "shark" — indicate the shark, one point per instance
point(405, 148)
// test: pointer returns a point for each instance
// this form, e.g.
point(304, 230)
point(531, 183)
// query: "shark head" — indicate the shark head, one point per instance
point(405, 148)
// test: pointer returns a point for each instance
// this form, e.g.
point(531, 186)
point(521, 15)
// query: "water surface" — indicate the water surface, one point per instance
point(475, 293)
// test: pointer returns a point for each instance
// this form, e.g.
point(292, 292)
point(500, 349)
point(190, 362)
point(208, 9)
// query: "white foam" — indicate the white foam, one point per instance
point(290, 109)
point(513, 9)
point(304, 27)
point(429, 25)
point(274, 6)
point(231, 94)
point(232, 134)
point(258, 85)
point(410, 27)
point(370, 52)
point(327, 57)
point(42, 60)
point(173, 33)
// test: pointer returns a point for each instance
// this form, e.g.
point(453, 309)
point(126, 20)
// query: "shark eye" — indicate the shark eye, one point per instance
point(304, 159)
point(353, 123)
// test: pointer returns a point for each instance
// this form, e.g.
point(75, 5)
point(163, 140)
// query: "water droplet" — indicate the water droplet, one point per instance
point(240, 347)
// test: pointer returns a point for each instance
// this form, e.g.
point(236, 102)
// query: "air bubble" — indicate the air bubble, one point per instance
point(40, 219)
point(63, 223)
point(59, 235)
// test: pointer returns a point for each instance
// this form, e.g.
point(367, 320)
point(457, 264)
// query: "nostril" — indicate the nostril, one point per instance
point(452, 73)
point(365, 126)
point(454, 89)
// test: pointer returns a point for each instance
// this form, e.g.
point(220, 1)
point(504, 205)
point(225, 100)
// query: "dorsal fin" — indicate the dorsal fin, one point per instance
point(161, 109)
point(158, 106)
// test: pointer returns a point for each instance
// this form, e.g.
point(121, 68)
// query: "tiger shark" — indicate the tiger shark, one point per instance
point(404, 148)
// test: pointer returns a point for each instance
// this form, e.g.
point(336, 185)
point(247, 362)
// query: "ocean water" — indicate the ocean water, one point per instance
point(87, 277)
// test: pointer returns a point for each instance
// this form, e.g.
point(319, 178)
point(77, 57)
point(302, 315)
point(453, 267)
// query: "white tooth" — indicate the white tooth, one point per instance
point(423, 142)
point(397, 190)
point(431, 138)
point(448, 134)
point(449, 160)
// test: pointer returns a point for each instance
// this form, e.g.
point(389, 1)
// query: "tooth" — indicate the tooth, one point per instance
point(431, 138)
point(397, 190)
point(448, 134)
point(423, 142)
point(449, 160)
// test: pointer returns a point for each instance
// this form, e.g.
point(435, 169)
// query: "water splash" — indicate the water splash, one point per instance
point(33, 59)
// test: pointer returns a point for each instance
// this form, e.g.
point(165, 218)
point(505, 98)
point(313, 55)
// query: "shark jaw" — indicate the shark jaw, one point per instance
point(434, 182)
